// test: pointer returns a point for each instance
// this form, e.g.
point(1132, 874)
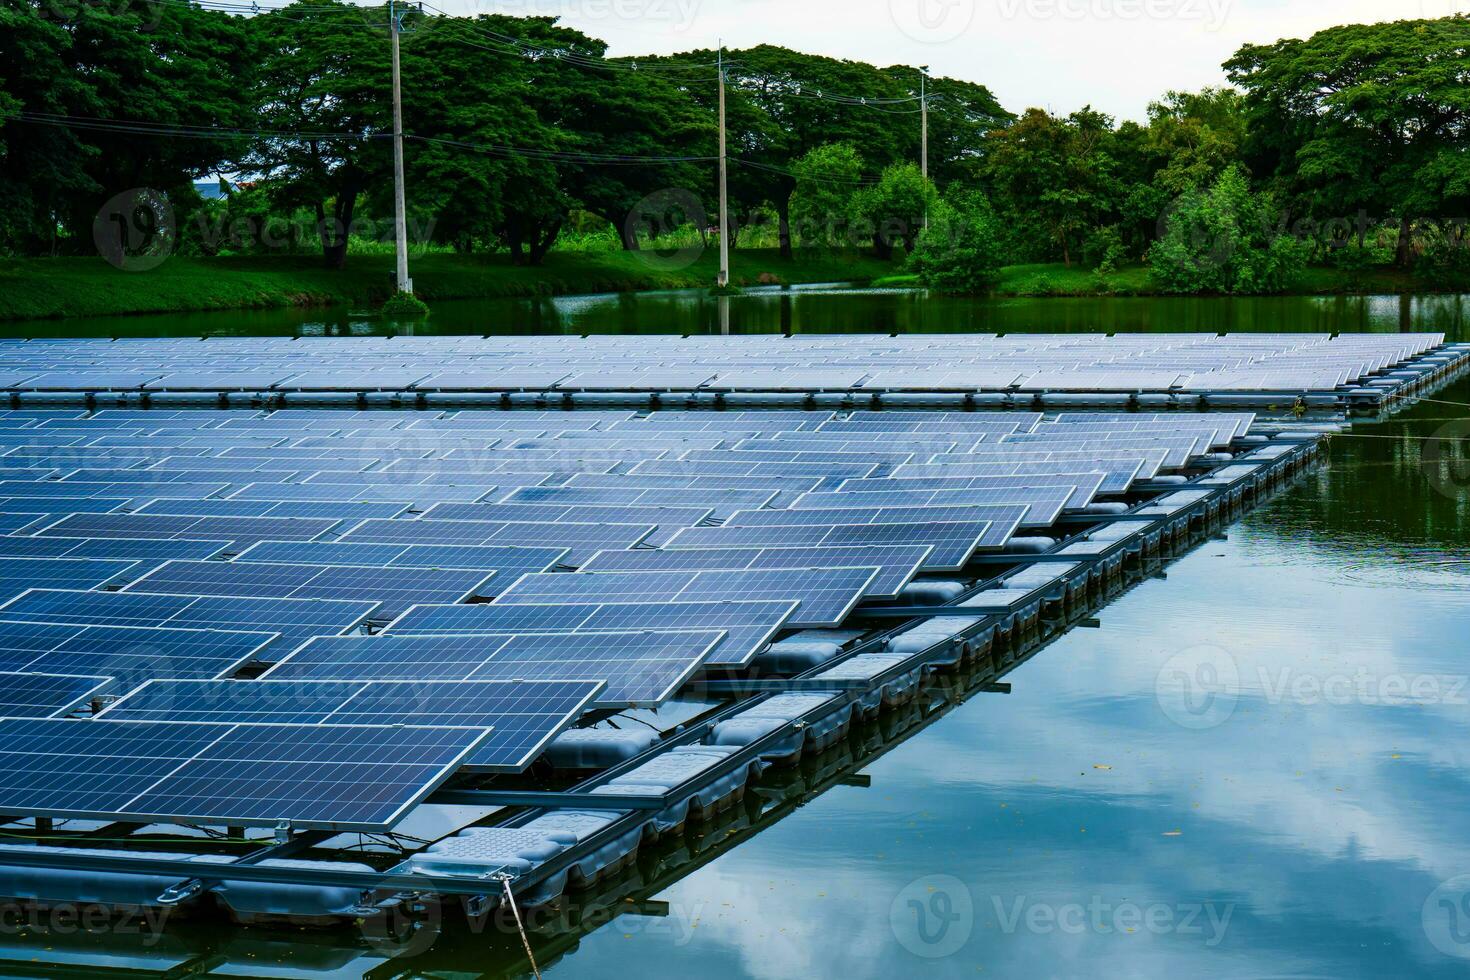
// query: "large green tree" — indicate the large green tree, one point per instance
point(1368, 118)
point(124, 78)
point(1054, 177)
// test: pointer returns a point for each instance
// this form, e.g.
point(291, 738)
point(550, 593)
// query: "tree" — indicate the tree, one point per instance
point(960, 251)
point(324, 79)
point(893, 210)
point(1224, 240)
point(827, 178)
point(103, 69)
point(1055, 173)
point(1367, 118)
point(1196, 136)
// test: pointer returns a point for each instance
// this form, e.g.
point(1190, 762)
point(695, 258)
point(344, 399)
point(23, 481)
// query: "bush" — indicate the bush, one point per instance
point(1223, 240)
point(960, 251)
point(405, 305)
point(1103, 250)
point(1445, 264)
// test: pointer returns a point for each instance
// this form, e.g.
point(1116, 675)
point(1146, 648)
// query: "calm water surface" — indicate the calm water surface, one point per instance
point(1259, 766)
point(811, 309)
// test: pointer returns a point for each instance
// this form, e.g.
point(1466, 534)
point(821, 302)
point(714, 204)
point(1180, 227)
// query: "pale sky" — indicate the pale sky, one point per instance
point(1059, 54)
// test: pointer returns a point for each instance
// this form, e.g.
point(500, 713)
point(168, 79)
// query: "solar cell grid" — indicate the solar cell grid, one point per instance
point(952, 543)
point(291, 619)
point(642, 668)
point(522, 715)
point(130, 655)
point(394, 589)
point(897, 564)
point(240, 531)
point(338, 777)
point(32, 695)
point(748, 626)
point(507, 562)
point(826, 595)
point(580, 540)
point(122, 549)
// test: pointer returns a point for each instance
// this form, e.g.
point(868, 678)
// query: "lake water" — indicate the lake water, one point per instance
point(812, 309)
point(1308, 820)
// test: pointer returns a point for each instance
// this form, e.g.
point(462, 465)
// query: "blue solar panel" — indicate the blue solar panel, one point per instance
point(395, 588)
point(721, 501)
point(117, 549)
point(522, 715)
point(1003, 520)
point(27, 695)
point(330, 777)
point(581, 540)
point(420, 494)
point(826, 595)
point(748, 626)
point(1044, 503)
point(332, 510)
point(240, 531)
point(643, 668)
point(570, 513)
point(953, 543)
point(897, 565)
point(130, 654)
point(294, 619)
point(19, 574)
point(509, 563)
point(1086, 486)
point(37, 506)
point(11, 522)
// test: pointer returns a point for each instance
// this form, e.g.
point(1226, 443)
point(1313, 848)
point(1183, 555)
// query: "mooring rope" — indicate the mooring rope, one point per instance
point(525, 940)
point(1441, 401)
point(1399, 438)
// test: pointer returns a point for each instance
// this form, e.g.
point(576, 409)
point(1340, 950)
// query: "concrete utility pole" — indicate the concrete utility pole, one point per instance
point(400, 218)
point(724, 277)
point(924, 129)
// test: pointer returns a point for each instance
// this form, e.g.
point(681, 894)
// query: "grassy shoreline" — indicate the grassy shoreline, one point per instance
point(86, 286)
point(1057, 280)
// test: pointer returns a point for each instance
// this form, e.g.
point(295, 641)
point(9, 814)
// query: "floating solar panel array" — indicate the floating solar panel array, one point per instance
point(257, 595)
point(768, 363)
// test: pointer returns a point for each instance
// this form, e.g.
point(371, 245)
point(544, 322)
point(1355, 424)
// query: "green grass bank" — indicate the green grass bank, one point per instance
point(87, 286)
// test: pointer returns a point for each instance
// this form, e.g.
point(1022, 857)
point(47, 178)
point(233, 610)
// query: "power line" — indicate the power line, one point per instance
point(142, 128)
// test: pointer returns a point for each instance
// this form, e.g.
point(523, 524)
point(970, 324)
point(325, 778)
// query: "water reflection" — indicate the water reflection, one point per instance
point(812, 309)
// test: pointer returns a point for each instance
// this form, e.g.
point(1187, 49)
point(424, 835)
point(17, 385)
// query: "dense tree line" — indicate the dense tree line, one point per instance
point(1349, 147)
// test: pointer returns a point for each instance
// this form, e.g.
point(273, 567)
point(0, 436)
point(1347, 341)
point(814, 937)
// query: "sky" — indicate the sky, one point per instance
point(1116, 55)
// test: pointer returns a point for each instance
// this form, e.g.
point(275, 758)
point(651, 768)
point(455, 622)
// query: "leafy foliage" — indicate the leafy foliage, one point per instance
point(1223, 240)
point(960, 251)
